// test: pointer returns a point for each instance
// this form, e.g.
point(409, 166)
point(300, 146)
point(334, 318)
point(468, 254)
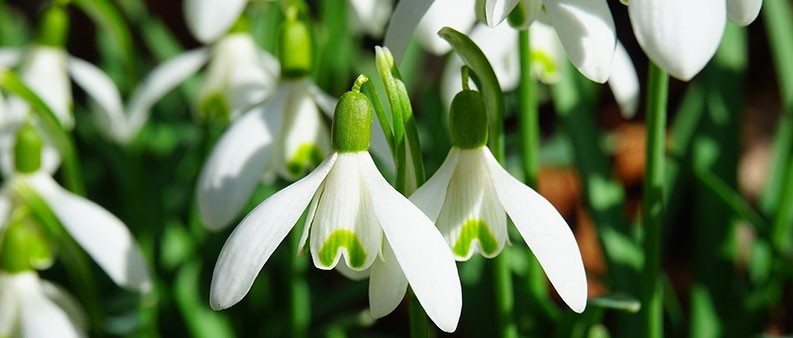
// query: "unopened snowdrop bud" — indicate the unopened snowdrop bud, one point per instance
point(294, 47)
point(27, 150)
point(352, 120)
point(24, 248)
point(54, 25)
point(214, 109)
point(468, 120)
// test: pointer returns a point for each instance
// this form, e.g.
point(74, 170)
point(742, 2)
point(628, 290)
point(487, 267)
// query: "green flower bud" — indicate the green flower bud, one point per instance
point(214, 109)
point(294, 50)
point(54, 27)
point(27, 150)
point(23, 248)
point(468, 120)
point(352, 121)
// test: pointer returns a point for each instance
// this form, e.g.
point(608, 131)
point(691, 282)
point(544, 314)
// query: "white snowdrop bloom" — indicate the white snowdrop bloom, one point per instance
point(370, 16)
point(585, 27)
point(682, 36)
point(356, 223)
point(471, 195)
point(500, 46)
point(34, 308)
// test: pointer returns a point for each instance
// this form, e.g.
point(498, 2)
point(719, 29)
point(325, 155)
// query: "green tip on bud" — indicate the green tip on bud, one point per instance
point(468, 120)
point(352, 120)
point(294, 50)
point(24, 248)
point(54, 25)
point(27, 150)
point(214, 109)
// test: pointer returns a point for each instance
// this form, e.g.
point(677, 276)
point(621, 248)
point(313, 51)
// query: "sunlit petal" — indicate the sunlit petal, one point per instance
point(624, 82)
point(257, 236)
point(743, 12)
point(45, 73)
point(10, 56)
point(387, 284)
point(419, 249)
point(495, 11)
point(8, 305)
point(370, 16)
point(304, 137)
point(64, 300)
point(430, 196)
point(102, 90)
point(457, 14)
point(545, 231)
point(209, 19)
point(38, 316)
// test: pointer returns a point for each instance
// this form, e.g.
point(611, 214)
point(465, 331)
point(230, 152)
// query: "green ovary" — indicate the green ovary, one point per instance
point(475, 229)
point(215, 109)
point(306, 156)
point(343, 239)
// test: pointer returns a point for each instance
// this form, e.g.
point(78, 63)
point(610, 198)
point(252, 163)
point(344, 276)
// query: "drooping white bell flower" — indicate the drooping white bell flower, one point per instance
point(585, 27)
point(500, 46)
point(34, 308)
point(471, 195)
point(370, 16)
point(682, 36)
point(356, 222)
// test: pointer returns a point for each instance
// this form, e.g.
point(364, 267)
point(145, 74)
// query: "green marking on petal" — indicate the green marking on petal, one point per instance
point(214, 109)
point(347, 239)
point(475, 229)
point(546, 63)
point(306, 156)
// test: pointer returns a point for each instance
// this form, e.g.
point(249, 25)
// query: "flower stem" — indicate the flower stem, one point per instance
point(419, 323)
point(652, 213)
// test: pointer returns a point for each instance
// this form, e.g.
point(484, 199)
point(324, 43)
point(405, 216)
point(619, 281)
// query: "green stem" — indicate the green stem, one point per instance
point(419, 323)
point(300, 299)
point(652, 213)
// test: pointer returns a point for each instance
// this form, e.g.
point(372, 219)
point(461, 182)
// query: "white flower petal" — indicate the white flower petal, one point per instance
point(344, 225)
point(407, 15)
point(624, 82)
point(387, 284)
point(497, 10)
point(348, 272)
point(209, 19)
point(430, 196)
point(65, 301)
point(547, 52)
point(325, 101)
point(743, 12)
point(39, 317)
point(472, 219)
point(457, 14)
point(8, 305)
point(45, 73)
point(586, 30)
point(257, 236)
point(235, 166)
point(545, 231)
point(312, 211)
point(379, 145)
point(103, 91)
point(420, 250)
point(10, 56)
point(370, 16)
point(103, 236)
point(680, 36)
point(159, 82)
point(304, 137)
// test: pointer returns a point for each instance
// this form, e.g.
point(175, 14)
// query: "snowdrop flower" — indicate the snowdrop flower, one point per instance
point(101, 234)
point(33, 308)
point(585, 27)
point(682, 36)
point(356, 222)
point(471, 195)
point(500, 46)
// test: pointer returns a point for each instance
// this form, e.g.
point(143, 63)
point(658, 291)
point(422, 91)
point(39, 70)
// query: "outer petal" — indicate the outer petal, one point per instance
point(545, 231)
point(45, 74)
point(103, 91)
point(64, 300)
point(348, 272)
point(8, 305)
point(257, 236)
point(495, 11)
point(304, 137)
point(624, 82)
point(457, 14)
point(39, 317)
point(387, 284)
point(159, 82)
point(407, 15)
point(235, 165)
point(430, 196)
point(9, 56)
point(370, 16)
point(103, 236)
point(209, 19)
point(586, 30)
point(680, 36)
point(419, 249)
point(743, 12)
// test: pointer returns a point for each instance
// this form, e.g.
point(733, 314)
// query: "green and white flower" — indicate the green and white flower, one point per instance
point(356, 223)
point(471, 195)
point(34, 308)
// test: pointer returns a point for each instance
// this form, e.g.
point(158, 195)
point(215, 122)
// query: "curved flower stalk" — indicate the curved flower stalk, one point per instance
point(471, 195)
point(585, 27)
point(500, 46)
point(356, 223)
point(101, 234)
point(33, 308)
point(682, 36)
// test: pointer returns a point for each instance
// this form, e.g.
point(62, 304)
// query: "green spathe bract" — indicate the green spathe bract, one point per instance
point(352, 123)
point(294, 50)
point(27, 150)
point(468, 120)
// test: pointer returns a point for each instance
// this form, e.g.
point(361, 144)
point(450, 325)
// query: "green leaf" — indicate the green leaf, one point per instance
point(617, 301)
